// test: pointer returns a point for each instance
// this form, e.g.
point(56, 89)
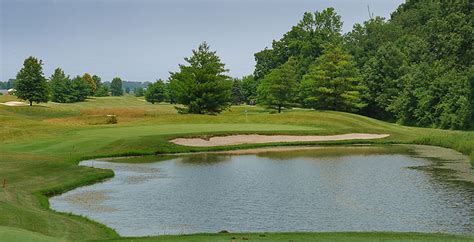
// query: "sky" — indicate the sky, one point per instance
point(143, 40)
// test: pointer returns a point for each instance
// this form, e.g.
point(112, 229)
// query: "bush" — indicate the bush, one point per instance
point(111, 119)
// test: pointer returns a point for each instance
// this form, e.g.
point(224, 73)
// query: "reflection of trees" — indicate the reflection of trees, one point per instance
point(204, 159)
point(334, 152)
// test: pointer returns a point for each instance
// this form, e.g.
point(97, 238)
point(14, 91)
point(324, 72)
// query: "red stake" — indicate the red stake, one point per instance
point(4, 182)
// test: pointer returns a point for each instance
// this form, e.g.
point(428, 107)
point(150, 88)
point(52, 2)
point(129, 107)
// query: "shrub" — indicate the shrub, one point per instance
point(111, 119)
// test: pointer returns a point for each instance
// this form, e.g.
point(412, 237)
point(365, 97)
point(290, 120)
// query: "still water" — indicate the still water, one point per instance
point(339, 189)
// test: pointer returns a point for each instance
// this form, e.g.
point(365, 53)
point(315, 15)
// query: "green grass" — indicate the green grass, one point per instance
point(41, 145)
point(20, 235)
point(338, 236)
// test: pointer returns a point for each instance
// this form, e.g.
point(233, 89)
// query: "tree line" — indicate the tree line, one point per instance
point(415, 68)
point(33, 86)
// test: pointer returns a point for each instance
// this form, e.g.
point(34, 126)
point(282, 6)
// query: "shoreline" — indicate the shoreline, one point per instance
point(445, 156)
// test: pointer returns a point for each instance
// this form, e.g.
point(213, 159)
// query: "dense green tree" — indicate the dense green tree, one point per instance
point(278, 89)
point(127, 90)
point(305, 41)
point(91, 82)
point(433, 95)
point(380, 76)
point(237, 93)
point(202, 86)
point(97, 81)
point(31, 85)
point(249, 89)
point(60, 86)
point(102, 91)
point(416, 65)
point(116, 87)
point(364, 39)
point(80, 89)
point(169, 94)
point(8, 84)
point(155, 92)
point(332, 83)
point(139, 92)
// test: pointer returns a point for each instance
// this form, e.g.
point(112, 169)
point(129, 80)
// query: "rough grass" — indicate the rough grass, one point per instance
point(41, 145)
point(339, 236)
point(20, 235)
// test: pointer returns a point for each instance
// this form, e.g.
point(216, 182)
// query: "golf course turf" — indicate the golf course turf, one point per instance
point(40, 148)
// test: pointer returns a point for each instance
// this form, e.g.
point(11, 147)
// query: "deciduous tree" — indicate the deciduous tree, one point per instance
point(116, 87)
point(278, 89)
point(155, 92)
point(91, 82)
point(31, 85)
point(249, 89)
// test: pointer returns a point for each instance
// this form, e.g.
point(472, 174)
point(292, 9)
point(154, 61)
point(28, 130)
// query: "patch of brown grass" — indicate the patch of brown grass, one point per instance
point(89, 120)
point(120, 112)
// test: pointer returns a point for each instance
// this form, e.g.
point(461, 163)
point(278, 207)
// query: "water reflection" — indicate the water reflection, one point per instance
point(336, 189)
point(203, 159)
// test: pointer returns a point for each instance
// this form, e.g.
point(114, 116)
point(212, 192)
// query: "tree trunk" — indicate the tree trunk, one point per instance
point(31, 103)
point(279, 109)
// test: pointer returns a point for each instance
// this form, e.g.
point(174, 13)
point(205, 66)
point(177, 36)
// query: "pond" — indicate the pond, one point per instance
point(330, 189)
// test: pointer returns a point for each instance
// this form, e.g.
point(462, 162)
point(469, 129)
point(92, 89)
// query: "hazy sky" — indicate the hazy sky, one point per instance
point(143, 40)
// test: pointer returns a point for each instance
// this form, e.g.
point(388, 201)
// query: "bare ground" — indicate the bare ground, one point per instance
point(14, 104)
point(258, 139)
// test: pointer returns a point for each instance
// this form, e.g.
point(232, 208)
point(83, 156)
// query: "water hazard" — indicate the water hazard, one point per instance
point(332, 189)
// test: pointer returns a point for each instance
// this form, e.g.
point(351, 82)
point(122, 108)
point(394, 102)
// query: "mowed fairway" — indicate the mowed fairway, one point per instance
point(40, 147)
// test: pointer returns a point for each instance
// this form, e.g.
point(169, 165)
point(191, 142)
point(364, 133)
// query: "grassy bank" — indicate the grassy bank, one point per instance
point(41, 146)
point(338, 236)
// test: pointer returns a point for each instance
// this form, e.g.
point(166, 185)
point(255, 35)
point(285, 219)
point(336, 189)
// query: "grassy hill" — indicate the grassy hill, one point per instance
point(40, 147)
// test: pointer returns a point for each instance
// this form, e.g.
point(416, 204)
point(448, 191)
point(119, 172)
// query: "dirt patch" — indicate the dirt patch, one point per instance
point(259, 139)
point(120, 112)
point(14, 104)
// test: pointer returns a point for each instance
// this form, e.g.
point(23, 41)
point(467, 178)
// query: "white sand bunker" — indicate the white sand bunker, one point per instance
point(258, 139)
point(14, 104)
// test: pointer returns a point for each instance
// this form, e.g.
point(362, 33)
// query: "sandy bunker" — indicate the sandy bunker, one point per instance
point(258, 139)
point(14, 104)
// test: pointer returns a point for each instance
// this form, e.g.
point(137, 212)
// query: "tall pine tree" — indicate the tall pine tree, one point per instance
point(202, 86)
point(332, 83)
point(60, 86)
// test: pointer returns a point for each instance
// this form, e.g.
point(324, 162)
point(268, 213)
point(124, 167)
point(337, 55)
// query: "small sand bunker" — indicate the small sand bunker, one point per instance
point(258, 139)
point(14, 104)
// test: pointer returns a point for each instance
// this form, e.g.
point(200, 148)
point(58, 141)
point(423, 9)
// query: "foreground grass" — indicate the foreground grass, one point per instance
point(41, 145)
point(336, 236)
point(20, 235)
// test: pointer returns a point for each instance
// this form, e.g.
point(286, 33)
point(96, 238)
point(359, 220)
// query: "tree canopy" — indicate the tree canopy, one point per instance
point(91, 82)
point(416, 68)
point(155, 92)
point(30, 82)
point(116, 87)
point(60, 85)
point(278, 89)
point(202, 85)
point(332, 82)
